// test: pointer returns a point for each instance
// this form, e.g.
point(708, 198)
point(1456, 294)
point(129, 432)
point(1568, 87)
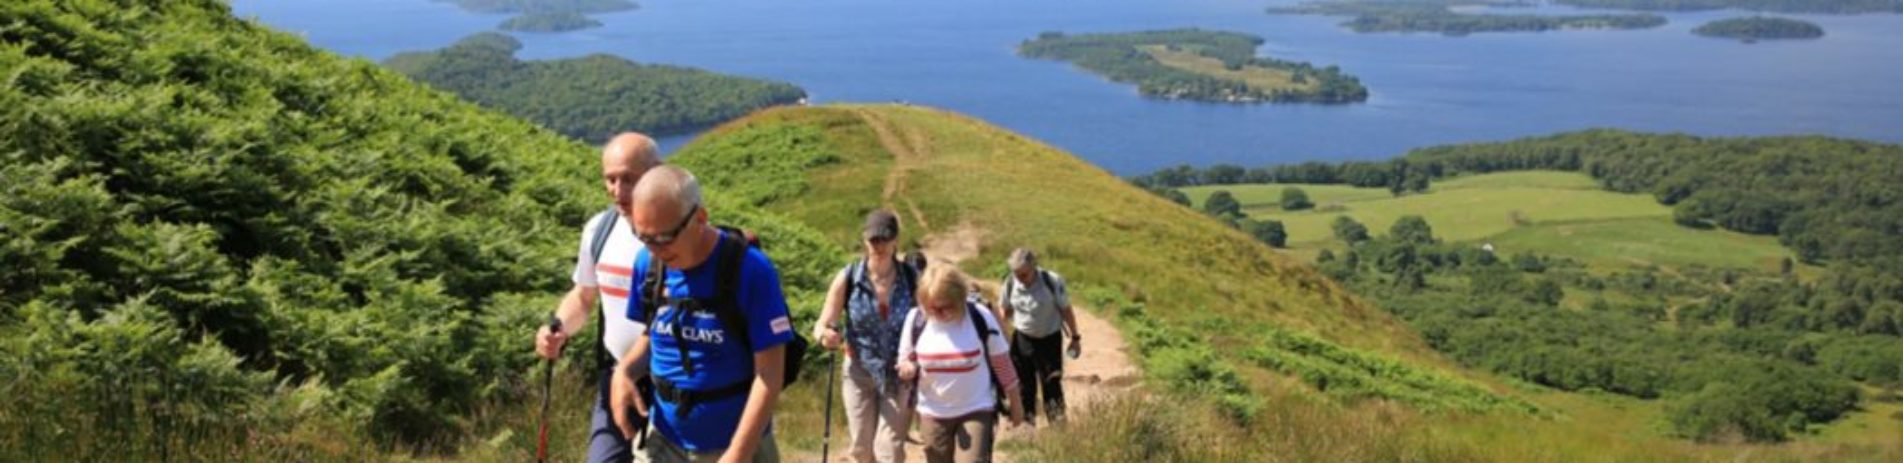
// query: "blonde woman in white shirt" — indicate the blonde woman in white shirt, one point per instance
point(962, 366)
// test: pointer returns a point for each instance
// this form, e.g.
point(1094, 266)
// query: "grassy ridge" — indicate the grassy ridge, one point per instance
point(1195, 318)
point(961, 172)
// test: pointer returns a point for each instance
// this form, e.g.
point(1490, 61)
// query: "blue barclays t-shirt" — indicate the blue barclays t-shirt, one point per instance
point(719, 359)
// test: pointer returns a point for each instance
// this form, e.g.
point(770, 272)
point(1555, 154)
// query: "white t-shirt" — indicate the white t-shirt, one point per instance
point(614, 277)
point(954, 376)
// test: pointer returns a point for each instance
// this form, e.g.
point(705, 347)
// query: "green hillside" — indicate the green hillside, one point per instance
point(221, 243)
point(1210, 312)
point(828, 166)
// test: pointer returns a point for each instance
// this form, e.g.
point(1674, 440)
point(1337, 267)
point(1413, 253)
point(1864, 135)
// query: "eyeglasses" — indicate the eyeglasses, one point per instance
point(666, 238)
point(941, 307)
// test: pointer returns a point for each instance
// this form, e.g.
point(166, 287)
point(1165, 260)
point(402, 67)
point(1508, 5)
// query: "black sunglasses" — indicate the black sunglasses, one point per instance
point(668, 237)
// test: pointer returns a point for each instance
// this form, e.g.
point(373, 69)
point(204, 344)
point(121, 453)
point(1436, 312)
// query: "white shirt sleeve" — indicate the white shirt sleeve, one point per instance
point(584, 274)
point(905, 337)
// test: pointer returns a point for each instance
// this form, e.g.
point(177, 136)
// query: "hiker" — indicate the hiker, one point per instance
point(873, 294)
point(961, 366)
point(1037, 307)
point(718, 339)
point(606, 241)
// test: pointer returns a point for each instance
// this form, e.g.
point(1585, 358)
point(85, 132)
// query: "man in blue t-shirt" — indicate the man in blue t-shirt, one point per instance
point(716, 395)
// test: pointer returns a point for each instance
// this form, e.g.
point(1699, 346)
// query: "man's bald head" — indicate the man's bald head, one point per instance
point(667, 188)
point(632, 149)
point(624, 160)
point(668, 220)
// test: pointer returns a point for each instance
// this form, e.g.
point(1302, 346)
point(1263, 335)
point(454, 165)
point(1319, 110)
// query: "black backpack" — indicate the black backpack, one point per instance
point(985, 331)
point(725, 306)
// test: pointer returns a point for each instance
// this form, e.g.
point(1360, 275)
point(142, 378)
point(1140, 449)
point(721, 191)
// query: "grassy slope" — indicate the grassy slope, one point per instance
point(960, 173)
point(1088, 224)
point(1558, 213)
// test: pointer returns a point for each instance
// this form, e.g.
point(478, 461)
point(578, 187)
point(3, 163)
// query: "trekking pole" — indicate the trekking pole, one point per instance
point(548, 385)
point(826, 441)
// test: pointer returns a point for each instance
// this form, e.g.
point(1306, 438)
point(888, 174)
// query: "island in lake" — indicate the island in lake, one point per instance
point(1195, 64)
point(1757, 28)
point(546, 15)
point(549, 22)
point(1780, 6)
point(591, 97)
point(1438, 16)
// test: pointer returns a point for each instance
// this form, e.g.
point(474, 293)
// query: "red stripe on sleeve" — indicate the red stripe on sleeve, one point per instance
point(1006, 372)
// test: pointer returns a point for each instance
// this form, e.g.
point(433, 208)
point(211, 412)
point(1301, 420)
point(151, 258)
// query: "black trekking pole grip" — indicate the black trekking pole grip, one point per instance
point(548, 387)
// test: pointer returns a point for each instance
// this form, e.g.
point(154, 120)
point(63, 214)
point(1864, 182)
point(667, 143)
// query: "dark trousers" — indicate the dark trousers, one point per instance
point(605, 444)
point(1040, 365)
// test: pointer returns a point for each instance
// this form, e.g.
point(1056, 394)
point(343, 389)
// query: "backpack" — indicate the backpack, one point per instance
point(907, 275)
point(725, 306)
point(604, 226)
point(985, 331)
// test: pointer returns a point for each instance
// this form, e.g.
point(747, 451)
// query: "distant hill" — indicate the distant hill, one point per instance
point(591, 97)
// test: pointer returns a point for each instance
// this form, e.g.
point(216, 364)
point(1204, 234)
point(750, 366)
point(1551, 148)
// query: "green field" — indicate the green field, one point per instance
point(1644, 241)
point(1556, 213)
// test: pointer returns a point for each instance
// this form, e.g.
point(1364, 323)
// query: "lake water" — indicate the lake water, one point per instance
point(1426, 89)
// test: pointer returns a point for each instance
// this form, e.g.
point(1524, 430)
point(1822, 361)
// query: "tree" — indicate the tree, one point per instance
point(1529, 263)
point(1416, 182)
point(1294, 199)
point(1270, 232)
point(1412, 229)
point(1547, 292)
point(1223, 174)
point(1686, 214)
point(1348, 230)
point(1174, 195)
point(1222, 203)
